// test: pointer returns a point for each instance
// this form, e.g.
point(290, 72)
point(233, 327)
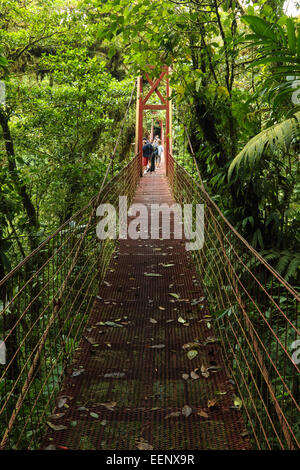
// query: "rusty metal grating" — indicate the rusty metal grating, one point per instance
point(127, 389)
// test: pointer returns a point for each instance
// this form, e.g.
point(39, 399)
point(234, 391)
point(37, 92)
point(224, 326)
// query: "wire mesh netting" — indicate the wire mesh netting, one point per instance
point(257, 315)
point(45, 303)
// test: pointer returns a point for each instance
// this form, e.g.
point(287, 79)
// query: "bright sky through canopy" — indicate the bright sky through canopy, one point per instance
point(291, 8)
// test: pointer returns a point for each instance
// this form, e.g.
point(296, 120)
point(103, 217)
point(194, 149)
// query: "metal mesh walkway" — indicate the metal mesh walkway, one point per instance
point(130, 384)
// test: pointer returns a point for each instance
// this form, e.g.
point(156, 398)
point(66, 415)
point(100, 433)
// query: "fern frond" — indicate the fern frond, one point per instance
point(293, 267)
point(286, 263)
point(277, 137)
point(283, 262)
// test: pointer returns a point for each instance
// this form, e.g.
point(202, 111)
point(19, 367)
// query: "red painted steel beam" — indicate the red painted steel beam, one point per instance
point(153, 88)
point(168, 130)
point(155, 106)
point(162, 99)
point(140, 123)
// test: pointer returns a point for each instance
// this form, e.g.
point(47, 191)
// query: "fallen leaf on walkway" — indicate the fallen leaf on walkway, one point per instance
point(192, 354)
point(152, 320)
point(90, 340)
point(77, 372)
point(107, 284)
point(82, 408)
point(153, 274)
point(57, 415)
point(167, 265)
point(73, 423)
point(143, 445)
point(176, 296)
point(156, 249)
point(175, 414)
point(208, 325)
point(185, 376)
point(197, 301)
point(211, 340)
point(109, 406)
point(237, 402)
point(94, 415)
point(114, 375)
point(204, 371)
point(219, 392)
point(190, 345)
point(158, 346)
point(181, 320)
point(161, 308)
point(186, 410)
point(214, 368)
point(194, 375)
point(169, 321)
point(186, 324)
point(112, 323)
point(203, 414)
point(56, 427)
point(212, 403)
point(62, 401)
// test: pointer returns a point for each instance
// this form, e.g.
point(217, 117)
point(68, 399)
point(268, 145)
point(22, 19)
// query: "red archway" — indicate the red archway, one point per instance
point(165, 104)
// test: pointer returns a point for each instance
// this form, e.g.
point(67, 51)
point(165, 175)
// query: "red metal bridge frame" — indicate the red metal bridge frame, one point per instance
point(165, 105)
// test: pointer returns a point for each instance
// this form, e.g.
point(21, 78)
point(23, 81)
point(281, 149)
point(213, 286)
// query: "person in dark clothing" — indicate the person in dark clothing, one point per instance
point(148, 153)
point(152, 161)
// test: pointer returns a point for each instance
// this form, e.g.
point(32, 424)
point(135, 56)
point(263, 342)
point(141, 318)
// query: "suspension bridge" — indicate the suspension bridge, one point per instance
point(139, 344)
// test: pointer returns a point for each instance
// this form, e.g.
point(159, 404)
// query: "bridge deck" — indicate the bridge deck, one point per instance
point(125, 388)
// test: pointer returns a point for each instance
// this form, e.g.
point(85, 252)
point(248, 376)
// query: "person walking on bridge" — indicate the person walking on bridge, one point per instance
point(160, 150)
point(147, 155)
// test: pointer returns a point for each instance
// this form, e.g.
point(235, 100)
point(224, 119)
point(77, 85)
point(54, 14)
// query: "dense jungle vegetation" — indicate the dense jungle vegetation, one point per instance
point(67, 72)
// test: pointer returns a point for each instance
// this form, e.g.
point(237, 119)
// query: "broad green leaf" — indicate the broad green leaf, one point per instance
point(238, 402)
point(291, 35)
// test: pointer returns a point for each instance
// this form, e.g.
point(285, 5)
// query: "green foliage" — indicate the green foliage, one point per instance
point(67, 67)
point(285, 262)
point(278, 46)
point(63, 109)
point(273, 140)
